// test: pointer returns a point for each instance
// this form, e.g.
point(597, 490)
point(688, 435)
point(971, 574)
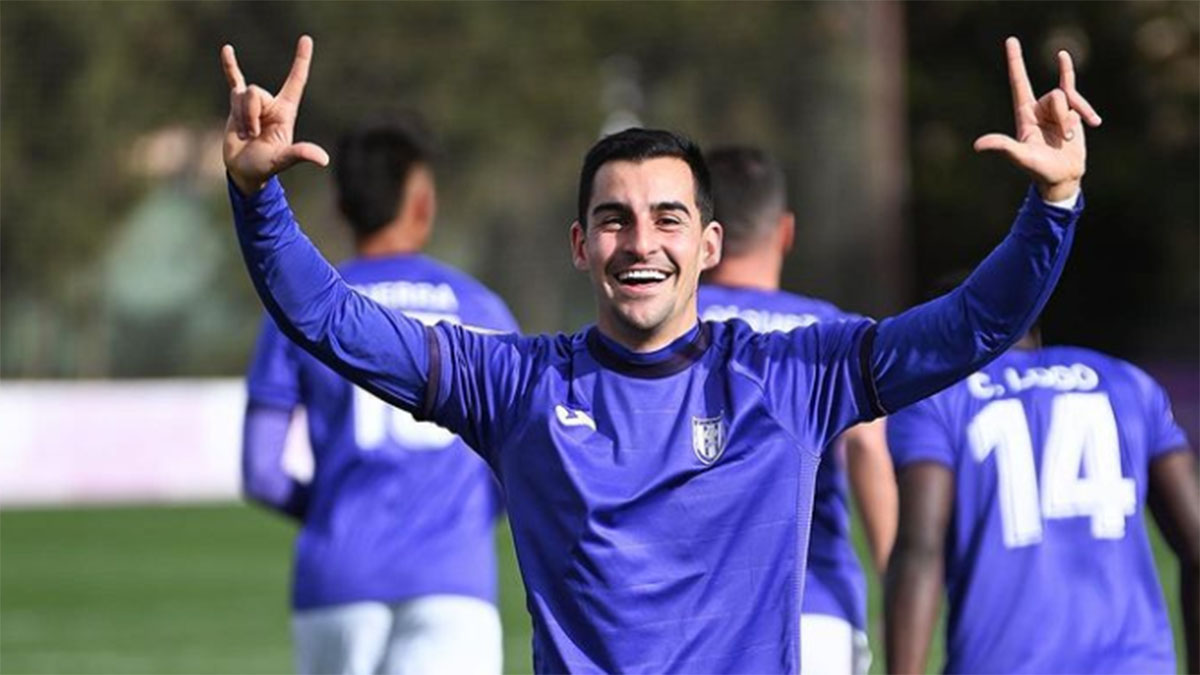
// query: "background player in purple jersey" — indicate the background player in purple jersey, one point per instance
point(1022, 487)
point(750, 201)
point(395, 568)
point(658, 471)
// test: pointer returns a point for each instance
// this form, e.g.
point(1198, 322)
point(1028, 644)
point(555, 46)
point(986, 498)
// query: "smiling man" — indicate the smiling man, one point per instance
point(658, 471)
point(649, 234)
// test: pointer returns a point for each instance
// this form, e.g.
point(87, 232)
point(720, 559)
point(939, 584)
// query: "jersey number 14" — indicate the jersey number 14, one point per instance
point(1082, 435)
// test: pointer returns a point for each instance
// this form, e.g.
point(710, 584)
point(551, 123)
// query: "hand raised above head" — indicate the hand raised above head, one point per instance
point(259, 132)
point(1049, 139)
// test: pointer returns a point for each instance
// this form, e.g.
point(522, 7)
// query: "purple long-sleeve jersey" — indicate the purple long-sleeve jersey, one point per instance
point(658, 501)
point(1048, 565)
point(834, 584)
point(396, 508)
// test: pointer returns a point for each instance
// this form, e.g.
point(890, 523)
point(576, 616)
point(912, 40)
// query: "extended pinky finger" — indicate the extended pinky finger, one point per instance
point(1080, 104)
point(1066, 82)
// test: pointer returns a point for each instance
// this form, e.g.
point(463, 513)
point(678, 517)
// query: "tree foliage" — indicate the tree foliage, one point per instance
point(515, 94)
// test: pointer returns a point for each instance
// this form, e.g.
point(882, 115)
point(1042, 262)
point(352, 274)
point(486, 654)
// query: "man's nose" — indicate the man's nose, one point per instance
point(641, 238)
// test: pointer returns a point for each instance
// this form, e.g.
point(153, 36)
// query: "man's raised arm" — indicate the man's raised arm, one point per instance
point(923, 350)
point(385, 353)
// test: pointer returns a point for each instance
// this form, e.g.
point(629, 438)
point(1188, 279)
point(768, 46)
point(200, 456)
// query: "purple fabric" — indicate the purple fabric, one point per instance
point(264, 437)
point(660, 510)
point(1021, 435)
point(835, 584)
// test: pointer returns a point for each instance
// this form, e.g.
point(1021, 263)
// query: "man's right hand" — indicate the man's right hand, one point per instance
point(258, 135)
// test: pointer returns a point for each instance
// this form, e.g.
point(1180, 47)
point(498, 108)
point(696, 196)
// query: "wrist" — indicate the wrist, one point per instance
point(1059, 192)
point(247, 186)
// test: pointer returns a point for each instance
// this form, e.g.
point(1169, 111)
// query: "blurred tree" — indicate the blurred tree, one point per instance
point(1133, 284)
point(99, 126)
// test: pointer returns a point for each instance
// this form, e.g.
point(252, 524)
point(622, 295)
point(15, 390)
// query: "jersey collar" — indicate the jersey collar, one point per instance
point(673, 358)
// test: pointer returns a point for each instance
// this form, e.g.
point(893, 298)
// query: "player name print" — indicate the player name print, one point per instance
point(761, 321)
point(411, 295)
point(1074, 377)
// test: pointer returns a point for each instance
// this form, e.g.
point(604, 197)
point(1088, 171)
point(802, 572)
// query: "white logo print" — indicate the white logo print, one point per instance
point(708, 438)
point(574, 418)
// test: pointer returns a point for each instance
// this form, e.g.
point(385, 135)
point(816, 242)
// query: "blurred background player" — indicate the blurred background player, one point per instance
point(1023, 487)
point(395, 567)
point(750, 201)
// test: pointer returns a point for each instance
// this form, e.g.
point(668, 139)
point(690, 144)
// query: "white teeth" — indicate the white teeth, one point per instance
point(641, 275)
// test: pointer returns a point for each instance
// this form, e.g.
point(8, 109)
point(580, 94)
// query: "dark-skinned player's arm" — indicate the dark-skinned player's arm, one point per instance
point(1174, 498)
point(922, 448)
point(915, 573)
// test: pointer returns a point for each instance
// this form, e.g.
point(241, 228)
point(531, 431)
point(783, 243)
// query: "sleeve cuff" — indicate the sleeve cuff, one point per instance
point(1042, 211)
point(1068, 203)
point(272, 191)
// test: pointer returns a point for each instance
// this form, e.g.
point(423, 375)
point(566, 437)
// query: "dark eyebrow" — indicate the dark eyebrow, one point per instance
point(671, 206)
point(625, 210)
point(620, 208)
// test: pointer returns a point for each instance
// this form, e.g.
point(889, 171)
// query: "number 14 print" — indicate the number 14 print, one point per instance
point(1082, 435)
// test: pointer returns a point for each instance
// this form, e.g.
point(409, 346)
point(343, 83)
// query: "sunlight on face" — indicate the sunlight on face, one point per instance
point(644, 248)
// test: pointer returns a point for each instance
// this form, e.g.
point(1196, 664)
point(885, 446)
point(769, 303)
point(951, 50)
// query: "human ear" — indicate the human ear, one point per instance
point(710, 244)
point(787, 231)
point(578, 241)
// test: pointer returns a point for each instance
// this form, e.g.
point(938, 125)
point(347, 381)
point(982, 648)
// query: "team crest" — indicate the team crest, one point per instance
point(708, 438)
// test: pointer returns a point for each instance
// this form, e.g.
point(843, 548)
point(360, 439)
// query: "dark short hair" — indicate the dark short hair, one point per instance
point(638, 145)
point(372, 167)
point(749, 192)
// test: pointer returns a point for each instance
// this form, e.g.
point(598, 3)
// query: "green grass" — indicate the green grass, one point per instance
point(198, 589)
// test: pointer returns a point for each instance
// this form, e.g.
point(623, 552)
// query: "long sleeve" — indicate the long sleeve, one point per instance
point(264, 438)
point(385, 353)
point(925, 349)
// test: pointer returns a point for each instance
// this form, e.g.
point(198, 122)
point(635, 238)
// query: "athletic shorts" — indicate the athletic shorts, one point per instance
point(830, 645)
point(429, 634)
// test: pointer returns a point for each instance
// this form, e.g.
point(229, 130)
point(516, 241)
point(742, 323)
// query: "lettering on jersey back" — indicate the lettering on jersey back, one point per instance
point(708, 438)
point(416, 295)
point(375, 422)
point(761, 321)
point(1074, 377)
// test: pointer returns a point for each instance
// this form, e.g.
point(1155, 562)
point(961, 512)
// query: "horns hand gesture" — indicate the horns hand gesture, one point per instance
point(1049, 142)
point(259, 132)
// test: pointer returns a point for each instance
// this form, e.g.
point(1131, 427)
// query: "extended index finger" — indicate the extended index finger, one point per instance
point(1018, 79)
point(233, 74)
point(293, 86)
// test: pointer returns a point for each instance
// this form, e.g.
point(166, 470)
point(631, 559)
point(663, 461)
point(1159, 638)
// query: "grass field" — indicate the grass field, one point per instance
point(197, 589)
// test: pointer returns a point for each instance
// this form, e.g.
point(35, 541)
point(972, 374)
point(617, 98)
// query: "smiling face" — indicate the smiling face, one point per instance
point(644, 246)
